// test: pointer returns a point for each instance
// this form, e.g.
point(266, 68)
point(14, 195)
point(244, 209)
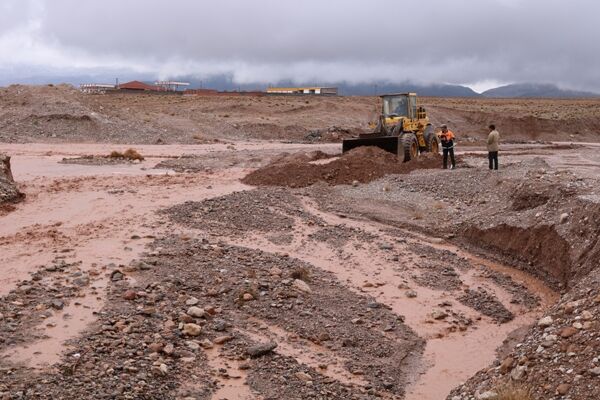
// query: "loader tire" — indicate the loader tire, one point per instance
point(431, 141)
point(409, 147)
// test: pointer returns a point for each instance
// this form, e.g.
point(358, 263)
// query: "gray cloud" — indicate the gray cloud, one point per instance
point(460, 41)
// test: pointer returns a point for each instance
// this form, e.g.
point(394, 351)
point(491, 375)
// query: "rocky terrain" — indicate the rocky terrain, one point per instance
point(62, 114)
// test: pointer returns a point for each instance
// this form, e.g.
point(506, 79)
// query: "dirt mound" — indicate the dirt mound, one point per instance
point(8, 190)
point(363, 164)
point(272, 210)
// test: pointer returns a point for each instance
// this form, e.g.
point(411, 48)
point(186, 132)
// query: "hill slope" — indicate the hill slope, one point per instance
point(544, 90)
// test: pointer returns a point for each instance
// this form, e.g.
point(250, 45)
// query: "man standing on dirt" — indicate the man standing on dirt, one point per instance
point(493, 143)
point(447, 138)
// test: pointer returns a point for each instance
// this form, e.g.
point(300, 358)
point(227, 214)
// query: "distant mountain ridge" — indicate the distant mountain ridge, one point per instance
point(536, 90)
point(227, 82)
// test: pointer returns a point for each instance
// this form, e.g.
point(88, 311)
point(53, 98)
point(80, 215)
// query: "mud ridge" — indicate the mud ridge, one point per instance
point(363, 164)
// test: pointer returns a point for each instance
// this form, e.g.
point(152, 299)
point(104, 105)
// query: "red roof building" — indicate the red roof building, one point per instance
point(137, 85)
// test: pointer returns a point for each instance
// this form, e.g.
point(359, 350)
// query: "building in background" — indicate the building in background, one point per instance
point(316, 90)
point(137, 86)
point(171, 86)
point(97, 88)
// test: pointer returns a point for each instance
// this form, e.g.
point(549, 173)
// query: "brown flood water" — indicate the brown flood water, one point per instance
point(96, 210)
point(450, 357)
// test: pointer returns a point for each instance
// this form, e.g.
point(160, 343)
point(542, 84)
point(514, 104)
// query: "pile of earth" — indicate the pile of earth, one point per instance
point(8, 189)
point(363, 164)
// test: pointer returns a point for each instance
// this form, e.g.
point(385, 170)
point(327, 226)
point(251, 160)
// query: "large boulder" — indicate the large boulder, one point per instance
point(8, 189)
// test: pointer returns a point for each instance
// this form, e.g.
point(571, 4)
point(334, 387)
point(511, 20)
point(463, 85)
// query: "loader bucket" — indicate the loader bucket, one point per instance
point(387, 143)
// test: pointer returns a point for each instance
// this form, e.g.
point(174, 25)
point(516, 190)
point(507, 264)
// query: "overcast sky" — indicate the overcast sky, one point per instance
point(477, 42)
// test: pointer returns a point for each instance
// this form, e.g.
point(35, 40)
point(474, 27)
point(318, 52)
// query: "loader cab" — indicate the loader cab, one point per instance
point(400, 105)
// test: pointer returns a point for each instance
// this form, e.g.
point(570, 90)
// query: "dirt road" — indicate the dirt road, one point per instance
point(127, 280)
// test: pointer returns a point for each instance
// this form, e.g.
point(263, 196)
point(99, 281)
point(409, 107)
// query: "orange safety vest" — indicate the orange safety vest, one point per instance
point(448, 135)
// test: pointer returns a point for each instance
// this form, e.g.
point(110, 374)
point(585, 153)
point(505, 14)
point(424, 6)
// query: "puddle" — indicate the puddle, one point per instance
point(232, 384)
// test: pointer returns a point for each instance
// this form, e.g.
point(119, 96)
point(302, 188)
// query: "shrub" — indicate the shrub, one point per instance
point(513, 391)
point(131, 154)
point(301, 273)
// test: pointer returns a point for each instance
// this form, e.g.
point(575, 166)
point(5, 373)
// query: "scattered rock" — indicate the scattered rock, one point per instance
point(301, 285)
point(116, 276)
point(261, 349)
point(196, 312)
point(156, 347)
point(57, 304)
point(489, 395)
point(386, 246)
point(163, 369)
point(567, 332)
point(192, 301)
point(438, 314)
point(303, 376)
point(168, 349)
point(222, 339)
point(563, 388)
point(518, 373)
point(130, 295)
point(192, 329)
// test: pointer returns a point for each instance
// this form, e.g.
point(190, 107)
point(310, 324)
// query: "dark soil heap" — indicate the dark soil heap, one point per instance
point(363, 164)
point(8, 190)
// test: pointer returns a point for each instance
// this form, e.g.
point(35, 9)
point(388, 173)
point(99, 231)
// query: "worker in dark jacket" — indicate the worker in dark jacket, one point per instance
point(493, 145)
point(447, 139)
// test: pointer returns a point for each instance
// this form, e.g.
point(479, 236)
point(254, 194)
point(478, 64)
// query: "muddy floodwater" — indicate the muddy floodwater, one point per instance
point(82, 230)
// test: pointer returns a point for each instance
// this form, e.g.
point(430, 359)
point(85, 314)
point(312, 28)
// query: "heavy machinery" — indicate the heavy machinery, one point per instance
point(402, 128)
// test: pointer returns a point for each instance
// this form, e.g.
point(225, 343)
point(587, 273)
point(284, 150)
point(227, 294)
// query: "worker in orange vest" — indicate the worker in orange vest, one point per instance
point(447, 139)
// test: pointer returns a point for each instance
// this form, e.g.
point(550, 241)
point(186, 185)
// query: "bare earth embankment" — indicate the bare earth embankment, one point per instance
point(269, 270)
point(61, 114)
point(8, 189)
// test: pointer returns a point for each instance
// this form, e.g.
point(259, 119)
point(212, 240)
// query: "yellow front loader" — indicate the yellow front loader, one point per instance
point(402, 128)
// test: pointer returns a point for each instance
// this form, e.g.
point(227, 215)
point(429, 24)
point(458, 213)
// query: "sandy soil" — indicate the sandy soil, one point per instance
point(382, 289)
